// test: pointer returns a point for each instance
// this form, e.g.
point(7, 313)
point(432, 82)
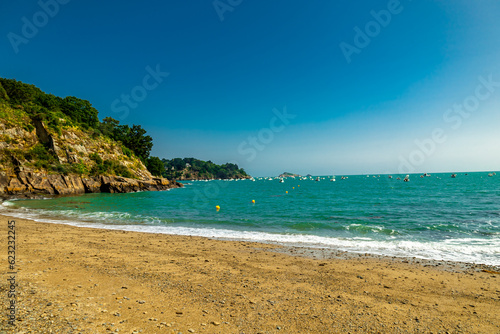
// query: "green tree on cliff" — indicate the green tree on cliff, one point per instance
point(133, 138)
point(155, 166)
point(81, 111)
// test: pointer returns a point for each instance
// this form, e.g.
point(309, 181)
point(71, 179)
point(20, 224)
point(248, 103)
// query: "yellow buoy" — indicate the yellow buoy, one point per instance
point(287, 191)
point(293, 187)
point(217, 207)
point(253, 201)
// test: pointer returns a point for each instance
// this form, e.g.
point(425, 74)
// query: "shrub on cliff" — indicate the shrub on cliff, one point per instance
point(108, 167)
point(3, 93)
point(40, 157)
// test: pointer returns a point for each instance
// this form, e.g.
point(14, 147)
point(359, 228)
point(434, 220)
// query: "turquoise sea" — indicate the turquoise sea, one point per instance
point(435, 217)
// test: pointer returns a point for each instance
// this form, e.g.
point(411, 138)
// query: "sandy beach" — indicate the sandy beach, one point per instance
point(83, 280)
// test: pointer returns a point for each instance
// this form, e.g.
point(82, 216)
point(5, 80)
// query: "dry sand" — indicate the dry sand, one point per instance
point(83, 280)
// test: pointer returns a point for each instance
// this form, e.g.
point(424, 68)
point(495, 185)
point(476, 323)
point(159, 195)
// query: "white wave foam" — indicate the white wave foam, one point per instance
point(480, 251)
point(486, 253)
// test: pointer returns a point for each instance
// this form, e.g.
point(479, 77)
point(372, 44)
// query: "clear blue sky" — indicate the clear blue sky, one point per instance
point(368, 86)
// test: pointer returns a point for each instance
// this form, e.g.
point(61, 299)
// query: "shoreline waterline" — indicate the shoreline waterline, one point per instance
point(311, 249)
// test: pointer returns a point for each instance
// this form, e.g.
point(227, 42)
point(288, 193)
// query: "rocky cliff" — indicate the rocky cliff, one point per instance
point(30, 184)
point(35, 160)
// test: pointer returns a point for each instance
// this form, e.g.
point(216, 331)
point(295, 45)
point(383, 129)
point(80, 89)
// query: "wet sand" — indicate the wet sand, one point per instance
point(83, 280)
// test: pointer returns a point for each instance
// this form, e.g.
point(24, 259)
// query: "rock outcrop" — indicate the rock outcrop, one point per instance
point(32, 184)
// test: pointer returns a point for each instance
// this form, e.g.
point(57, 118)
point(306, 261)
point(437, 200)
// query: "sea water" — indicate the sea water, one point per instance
point(436, 217)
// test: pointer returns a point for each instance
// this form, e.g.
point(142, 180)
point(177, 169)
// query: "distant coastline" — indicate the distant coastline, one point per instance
point(195, 169)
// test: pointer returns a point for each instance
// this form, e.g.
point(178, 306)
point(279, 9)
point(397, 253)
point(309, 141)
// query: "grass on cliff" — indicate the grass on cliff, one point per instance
point(41, 158)
point(14, 118)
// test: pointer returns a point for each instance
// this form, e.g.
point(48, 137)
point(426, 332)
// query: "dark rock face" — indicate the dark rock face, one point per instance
point(44, 137)
point(26, 184)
